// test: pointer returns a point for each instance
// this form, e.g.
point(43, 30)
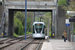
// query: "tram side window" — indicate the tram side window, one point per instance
point(43, 29)
point(33, 30)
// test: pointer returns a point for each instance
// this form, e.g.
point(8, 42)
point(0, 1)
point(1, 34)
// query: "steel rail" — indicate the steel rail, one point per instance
point(39, 45)
point(15, 38)
point(20, 39)
point(4, 39)
point(10, 44)
point(26, 45)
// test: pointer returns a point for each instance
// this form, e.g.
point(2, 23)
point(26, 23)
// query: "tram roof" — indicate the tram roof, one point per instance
point(38, 23)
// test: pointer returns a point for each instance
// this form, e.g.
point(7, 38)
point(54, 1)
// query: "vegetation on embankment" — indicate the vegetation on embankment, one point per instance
point(19, 24)
point(62, 2)
point(19, 21)
point(67, 6)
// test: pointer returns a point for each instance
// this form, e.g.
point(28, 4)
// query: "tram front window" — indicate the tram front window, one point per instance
point(38, 28)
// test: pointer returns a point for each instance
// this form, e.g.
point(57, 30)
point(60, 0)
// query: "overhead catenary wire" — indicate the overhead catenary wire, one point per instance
point(38, 4)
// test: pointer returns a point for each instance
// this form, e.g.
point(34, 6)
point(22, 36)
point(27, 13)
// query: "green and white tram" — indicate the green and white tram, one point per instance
point(38, 30)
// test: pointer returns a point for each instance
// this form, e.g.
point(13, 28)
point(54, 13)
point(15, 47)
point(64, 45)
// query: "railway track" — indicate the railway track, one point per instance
point(4, 39)
point(12, 39)
point(1, 41)
point(9, 39)
point(8, 43)
point(38, 44)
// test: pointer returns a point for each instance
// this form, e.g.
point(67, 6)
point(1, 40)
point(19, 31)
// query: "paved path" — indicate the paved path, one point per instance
point(58, 44)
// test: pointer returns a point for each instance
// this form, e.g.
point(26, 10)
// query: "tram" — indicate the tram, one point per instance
point(38, 30)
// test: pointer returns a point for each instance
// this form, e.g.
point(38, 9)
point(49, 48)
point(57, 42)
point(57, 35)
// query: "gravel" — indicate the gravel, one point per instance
point(22, 43)
point(31, 47)
point(17, 45)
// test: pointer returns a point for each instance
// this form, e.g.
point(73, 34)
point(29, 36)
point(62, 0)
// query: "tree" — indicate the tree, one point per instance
point(29, 24)
point(20, 16)
point(21, 29)
point(46, 17)
point(18, 23)
point(70, 7)
point(30, 20)
point(62, 3)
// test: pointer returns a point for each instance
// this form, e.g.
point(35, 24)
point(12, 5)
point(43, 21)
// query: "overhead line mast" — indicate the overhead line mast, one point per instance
point(25, 17)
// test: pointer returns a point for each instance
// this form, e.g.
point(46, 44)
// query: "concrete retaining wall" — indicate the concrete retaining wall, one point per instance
point(61, 22)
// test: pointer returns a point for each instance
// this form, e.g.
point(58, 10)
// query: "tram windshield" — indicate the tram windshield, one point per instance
point(38, 28)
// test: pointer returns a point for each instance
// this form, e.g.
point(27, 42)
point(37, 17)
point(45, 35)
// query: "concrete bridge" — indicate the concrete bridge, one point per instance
point(32, 5)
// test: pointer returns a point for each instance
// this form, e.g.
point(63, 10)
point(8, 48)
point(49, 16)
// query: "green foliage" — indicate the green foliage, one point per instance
point(28, 24)
point(47, 16)
point(28, 32)
point(62, 3)
point(21, 29)
point(18, 23)
point(70, 7)
point(50, 33)
point(30, 18)
point(20, 16)
point(15, 34)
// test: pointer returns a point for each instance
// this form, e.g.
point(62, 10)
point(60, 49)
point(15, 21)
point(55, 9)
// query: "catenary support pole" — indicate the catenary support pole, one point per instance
point(38, 16)
point(72, 31)
point(48, 29)
point(68, 36)
point(56, 16)
point(34, 16)
point(25, 17)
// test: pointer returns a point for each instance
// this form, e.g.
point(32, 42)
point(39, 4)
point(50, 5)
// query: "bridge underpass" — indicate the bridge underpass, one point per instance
point(51, 6)
point(11, 18)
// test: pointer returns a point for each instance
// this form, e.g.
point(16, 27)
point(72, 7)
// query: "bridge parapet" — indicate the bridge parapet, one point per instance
point(42, 4)
point(34, 0)
point(30, 0)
